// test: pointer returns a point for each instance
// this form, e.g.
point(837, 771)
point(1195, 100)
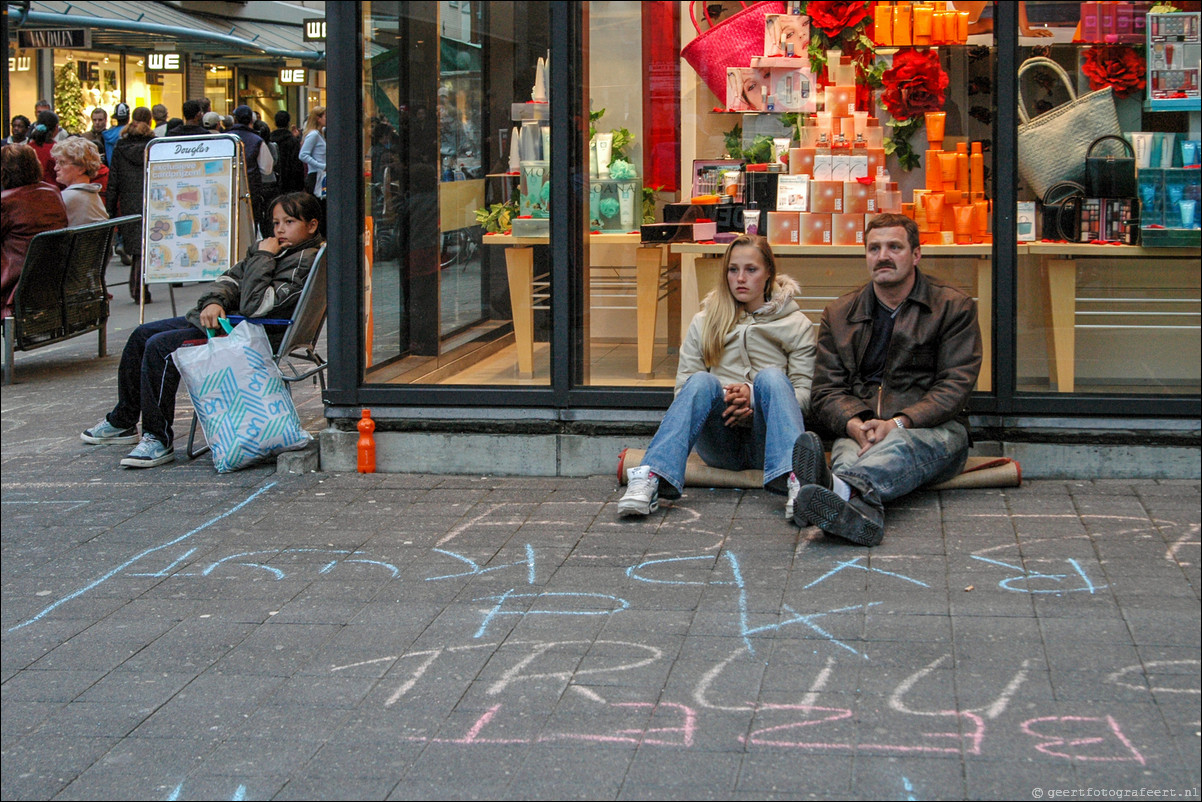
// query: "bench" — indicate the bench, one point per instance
point(61, 292)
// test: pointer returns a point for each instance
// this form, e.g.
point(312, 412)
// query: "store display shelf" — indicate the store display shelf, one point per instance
point(716, 248)
point(609, 238)
point(1117, 251)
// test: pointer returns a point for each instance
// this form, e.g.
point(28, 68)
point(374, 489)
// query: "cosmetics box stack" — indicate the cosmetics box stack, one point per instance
point(836, 178)
point(1114, 22)
point(1169, 189)
point(951, 208)
point(530, 156)
point(1170, 203)
point(918, 24)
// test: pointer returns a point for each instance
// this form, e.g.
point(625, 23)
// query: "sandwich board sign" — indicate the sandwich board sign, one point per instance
point(196, 213)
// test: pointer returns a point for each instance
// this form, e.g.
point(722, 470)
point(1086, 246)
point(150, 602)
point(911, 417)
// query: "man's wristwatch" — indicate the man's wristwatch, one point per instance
point(899, 423)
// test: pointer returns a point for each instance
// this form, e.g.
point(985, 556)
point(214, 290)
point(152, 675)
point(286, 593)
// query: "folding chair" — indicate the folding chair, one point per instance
point(299, 342)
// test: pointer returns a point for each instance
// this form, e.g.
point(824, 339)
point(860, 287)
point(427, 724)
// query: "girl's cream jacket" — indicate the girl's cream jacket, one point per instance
point(777, 335)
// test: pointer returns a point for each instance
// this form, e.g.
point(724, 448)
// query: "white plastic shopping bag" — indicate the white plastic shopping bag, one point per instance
point(240, 397)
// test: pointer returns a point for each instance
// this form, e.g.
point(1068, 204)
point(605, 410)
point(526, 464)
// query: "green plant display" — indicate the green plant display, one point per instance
point(498, 218)
point(760, 151)
point(649, 203)
point(622, 136)
point(68, 98)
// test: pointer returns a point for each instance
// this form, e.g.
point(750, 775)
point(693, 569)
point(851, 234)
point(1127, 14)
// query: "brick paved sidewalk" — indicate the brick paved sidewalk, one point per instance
point(176, 634)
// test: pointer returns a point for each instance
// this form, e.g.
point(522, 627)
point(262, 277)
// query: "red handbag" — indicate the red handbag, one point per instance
point(730, 43)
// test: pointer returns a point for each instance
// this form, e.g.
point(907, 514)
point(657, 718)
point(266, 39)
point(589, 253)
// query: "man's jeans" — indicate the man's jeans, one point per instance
point(904, 461)
point(147, 378)
point(695, 419)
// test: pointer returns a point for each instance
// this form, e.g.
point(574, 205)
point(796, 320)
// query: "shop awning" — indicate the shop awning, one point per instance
point(145, 25)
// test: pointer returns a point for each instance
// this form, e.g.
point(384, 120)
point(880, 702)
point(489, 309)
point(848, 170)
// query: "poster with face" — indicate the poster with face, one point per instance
point(784, 30)
point(747, 88)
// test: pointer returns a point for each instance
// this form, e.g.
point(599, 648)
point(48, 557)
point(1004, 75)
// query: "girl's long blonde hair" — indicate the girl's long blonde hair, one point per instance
point(311, 123)
point(721, 308)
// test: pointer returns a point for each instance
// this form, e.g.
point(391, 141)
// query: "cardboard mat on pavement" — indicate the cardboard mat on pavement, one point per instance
point(978, 472)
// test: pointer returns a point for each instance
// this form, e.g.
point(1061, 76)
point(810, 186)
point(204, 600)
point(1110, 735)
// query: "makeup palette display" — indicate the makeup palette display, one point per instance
point(1174, 52)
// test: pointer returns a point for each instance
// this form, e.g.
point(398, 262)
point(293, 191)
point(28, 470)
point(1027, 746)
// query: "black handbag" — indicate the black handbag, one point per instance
point(1110, 176)
point(1062, 211)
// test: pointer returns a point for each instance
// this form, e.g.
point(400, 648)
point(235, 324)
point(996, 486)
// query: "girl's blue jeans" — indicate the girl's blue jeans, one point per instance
point(695, 420)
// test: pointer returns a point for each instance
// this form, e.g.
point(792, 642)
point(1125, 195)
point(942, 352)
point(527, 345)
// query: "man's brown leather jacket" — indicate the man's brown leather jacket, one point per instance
point(931, 365)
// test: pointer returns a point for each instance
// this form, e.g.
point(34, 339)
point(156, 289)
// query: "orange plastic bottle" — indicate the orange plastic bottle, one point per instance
point(367, 443)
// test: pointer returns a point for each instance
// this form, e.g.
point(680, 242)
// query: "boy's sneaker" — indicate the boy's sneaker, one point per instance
point(642, 493)
point(105, 433)
point(149, 453)
point(791, 502)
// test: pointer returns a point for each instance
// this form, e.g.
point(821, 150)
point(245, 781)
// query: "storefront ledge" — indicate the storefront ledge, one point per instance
point(531, 427)
point(574, 454)
point(1089, 431)
point(1065, 461)
point(499, 454)
point(304, 461)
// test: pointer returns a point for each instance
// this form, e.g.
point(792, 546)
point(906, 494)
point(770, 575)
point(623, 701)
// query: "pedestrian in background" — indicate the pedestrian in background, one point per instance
point(193, 120)
point(127, 177)
point(41, 139)
point(258, 157)
point(95, 134)
point(290, 169)
point(121, 119)
point(159, 112)
point(56, 133)
point(19, 125)
point(313, 154)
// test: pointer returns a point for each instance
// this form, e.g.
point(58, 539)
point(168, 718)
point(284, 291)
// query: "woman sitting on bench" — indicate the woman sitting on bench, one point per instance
point(30, 206)
point(266, 284)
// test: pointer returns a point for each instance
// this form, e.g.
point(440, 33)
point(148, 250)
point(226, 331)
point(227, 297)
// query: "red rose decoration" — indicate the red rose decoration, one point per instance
point(914, 85)
point(833, 17)
point(1116, 66)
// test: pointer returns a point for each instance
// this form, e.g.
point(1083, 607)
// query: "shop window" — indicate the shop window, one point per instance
point(220, 89)
point(263, 93)
point(823, 138)
point(1108, 286)
point(441, 82)
point(95, 86)
point(148, 86)
point(22, 82)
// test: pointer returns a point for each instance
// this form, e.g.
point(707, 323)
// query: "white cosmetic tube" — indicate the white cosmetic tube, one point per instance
point(626, 206)
point(605, 143)
point(515, 156)
point(545, 130)
point(1141, 141)
point(1166, 149)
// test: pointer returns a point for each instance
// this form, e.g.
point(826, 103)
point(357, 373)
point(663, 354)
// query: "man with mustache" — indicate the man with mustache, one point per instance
point(897, 361)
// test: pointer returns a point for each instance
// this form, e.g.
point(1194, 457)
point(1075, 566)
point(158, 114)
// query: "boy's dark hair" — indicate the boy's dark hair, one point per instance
point(21, 117)
point(893, 220)
point(282, 119)
point(300, 205)
point(191, 109)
